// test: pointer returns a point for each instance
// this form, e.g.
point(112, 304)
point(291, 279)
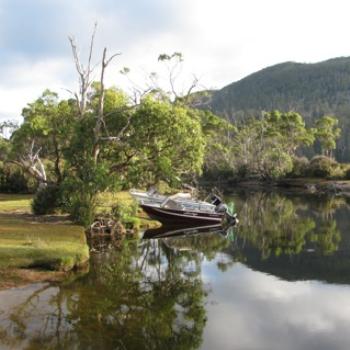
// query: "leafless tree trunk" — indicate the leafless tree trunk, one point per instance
point(84, 73)
point(84, 86)
point(33, 165)
point(100, 116)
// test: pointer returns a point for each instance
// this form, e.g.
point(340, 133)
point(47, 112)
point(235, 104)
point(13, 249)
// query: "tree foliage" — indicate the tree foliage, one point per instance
point(327, 132)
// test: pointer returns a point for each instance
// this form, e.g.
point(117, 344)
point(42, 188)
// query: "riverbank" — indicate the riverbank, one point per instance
point(295, 185)
point(37, 248)
point(45, 248)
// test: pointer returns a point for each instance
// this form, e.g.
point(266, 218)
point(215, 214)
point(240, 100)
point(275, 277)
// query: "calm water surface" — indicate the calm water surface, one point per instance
point(281, 280)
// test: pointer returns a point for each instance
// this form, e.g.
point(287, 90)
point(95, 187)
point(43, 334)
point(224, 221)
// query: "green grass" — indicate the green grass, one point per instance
point(11, 203)
point(50, 246)
point(24, 242)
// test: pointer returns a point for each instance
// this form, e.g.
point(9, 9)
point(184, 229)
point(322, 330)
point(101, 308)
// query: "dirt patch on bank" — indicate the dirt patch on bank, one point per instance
point(11, 278)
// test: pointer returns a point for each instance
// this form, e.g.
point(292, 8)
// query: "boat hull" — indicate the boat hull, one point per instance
point(174, 216)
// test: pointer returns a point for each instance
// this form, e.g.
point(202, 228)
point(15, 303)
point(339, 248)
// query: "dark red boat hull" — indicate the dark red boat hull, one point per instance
point(171, 216)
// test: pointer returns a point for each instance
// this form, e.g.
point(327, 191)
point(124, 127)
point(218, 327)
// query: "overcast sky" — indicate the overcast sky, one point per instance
point(221, 40)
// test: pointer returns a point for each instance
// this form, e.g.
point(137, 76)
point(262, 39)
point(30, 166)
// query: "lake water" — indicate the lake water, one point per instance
point(280, 280)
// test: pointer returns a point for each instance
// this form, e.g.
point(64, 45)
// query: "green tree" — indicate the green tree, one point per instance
point(327, 133)
point(290, 129)
point(44, 134)
point(266, 147)
point(166, 140)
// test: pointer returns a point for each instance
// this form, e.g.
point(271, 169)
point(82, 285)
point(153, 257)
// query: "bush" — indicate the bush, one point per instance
point(300, 167)
point(321, 166)
point(13, 181)
point(347, 174)
point(80, 205)
point(276, 164)
point(122, 211)
point(46, 200)
point(125, 213)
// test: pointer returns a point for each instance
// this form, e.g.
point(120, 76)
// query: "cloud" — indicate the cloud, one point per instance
point(253, 310)
point(222, 40)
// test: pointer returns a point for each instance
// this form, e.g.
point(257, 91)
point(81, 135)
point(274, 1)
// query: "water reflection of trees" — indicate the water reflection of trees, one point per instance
point(150, 294)
point(147, 296)
point(276, 224)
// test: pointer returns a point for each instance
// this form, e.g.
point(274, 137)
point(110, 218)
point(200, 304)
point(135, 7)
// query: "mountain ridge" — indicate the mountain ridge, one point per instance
point(311, 89)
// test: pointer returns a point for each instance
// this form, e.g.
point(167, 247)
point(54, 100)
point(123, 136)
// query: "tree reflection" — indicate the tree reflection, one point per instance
point(149, 294)
point(146, 296)
point(277, 225)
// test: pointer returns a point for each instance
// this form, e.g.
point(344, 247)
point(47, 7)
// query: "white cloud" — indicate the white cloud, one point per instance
point(222, 40)
point(254, 310)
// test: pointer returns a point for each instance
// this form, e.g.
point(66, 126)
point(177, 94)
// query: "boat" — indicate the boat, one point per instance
point(151, 196)
point(185, 199)
point(181, 208)
point(175, 212)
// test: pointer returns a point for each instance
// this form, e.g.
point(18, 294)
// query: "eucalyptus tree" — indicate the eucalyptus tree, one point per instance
point(327, 133)
point(116, 141)
point(265, 147)
point(38, 144)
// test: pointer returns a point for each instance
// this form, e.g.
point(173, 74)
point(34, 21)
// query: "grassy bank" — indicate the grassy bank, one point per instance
point(26, 241)
point(15, 203)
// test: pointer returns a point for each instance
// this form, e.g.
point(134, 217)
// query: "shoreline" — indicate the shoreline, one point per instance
point(293, 185)
point(14, 223)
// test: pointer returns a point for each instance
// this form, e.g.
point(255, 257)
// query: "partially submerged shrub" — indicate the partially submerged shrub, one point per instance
point(46, 200)
point(322, 166)
point(126, 214)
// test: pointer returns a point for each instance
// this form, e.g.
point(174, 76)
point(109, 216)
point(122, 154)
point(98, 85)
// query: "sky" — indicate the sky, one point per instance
point(222, 41)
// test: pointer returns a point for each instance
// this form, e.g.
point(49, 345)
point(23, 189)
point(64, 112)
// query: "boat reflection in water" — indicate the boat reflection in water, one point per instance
point(185, 231)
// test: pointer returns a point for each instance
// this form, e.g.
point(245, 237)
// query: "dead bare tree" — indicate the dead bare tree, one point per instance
point(32, 164)
point(174, 64)
point(84, 73)
point(100, 117)
point(85, 82)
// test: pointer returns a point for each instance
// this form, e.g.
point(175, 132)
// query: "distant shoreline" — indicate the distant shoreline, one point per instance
point(295, 185)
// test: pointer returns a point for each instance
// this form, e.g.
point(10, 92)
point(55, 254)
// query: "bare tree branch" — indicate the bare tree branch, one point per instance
point(84, 73)
point(100, 116)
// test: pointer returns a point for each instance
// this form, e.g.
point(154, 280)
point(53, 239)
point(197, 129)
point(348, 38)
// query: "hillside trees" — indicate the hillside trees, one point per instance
point(265, 147)
point(312, 90)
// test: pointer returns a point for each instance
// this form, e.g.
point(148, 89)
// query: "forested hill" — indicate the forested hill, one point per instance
point(313, 90)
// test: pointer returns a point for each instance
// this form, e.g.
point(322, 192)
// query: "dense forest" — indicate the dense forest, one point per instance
point(313, 90)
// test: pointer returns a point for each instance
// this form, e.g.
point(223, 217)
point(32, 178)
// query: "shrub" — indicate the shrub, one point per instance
point(46, 200)
point(276, 164)
point(125, 213)
point(242, 171)
point(122, 210)
point(322, 166)
point(13, 180)
point(80, 205)
point(300, 167)
point(347, 174)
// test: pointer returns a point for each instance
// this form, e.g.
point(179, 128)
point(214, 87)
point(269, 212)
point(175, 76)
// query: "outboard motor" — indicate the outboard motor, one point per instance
point(221, 208)
point(216, 200)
